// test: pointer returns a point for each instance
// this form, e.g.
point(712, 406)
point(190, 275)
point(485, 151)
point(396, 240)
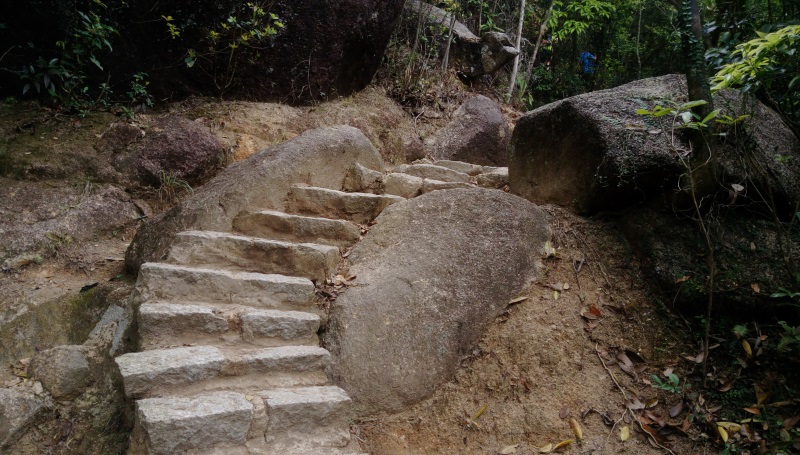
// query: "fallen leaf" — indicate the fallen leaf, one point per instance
point(682, 279)
point(563, 444)
point(576, 428)
point(736, 187)
point(747, 349)
point(594, 310)
point(755, 287)
point(730, 426)
point(549, 251)
point(785, 436)
point(509, 449)
point(676, 409)
point(555, 295)
point(634, 404)
point(656, 131)
point(556, 287)
point(668, 372)
point(566, 286)
point(546, 449)
point(727, 385)
point(564, 413)
point(761, 395)
point(652, 403)
point(753, 410)
point(789, 423)
point(722, 433)
point(518, 299)
point(624, 433)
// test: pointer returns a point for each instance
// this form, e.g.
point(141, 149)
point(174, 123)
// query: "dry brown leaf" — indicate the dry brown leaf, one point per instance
point(518, 299)
point(732, 427)
point(682, 279)
point(564, 413)
point(789, 423)
point(634, 404)
point(727, 385)
point(624, 433)
point(755, 287)
point(576, 428)
point(761, 395)
point(753, 410)
point(546, 449)
point(594, 310)
point(676, 409)
point(652, 403)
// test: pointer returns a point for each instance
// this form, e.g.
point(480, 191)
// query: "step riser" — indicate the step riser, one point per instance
point(162, 282)
point(356, 207)
point(195, 369)
point(292, 228)
point(163, 325)
point(226, 251)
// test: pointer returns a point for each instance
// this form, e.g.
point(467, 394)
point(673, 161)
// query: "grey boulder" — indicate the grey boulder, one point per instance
point(431, 276)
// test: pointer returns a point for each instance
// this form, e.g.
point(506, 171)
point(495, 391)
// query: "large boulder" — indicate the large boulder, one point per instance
point(477, 134)
point(320, 157)
point(63, 370)
point(325, 48)
point(18, 411)
point(430, 277)
point(594, 152)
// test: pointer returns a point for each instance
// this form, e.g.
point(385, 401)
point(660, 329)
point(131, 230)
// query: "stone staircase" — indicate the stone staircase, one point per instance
point(229, 360)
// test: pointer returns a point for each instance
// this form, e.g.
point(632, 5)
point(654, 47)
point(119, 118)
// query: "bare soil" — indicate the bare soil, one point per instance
point(551, 357)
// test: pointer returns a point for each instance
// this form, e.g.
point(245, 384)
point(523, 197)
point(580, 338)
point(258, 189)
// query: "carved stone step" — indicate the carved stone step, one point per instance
point(251, 254)
point(356, 207)
point(460, 166)
point(169, 324)
point(158, 281)
point(173, 425)
point(433, 172)
point(197, 369)
point(295, 228)
point(302, 419)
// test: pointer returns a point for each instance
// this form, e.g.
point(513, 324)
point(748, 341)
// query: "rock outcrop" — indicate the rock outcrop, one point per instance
point(477, 134)
point(320, 157)
point(430, 277)
point(594, 152)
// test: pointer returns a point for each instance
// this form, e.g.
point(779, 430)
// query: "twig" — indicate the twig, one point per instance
point(625, 395)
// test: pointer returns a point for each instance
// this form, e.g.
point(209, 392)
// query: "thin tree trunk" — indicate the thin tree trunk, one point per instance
point(542, 30)
point(513, 82)
point(449, 41)
point(638, 40)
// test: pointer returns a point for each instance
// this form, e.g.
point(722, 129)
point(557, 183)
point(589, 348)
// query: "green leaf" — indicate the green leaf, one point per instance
point(642, 112)
point(711, 115)
point(693, 104)
point(95, 61)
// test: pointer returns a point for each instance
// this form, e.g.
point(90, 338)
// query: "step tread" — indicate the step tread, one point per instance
point(301, 228)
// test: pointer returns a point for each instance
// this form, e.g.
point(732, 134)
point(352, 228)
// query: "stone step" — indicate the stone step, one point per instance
point(195, 369)
point(295, 228)
point(236, 252)
point(302, 419)
point(433, 172)
point(176, 425)
point(164, 282)
point(356, 207)
point(163, 324)
point(460, 166)
point(295, 421)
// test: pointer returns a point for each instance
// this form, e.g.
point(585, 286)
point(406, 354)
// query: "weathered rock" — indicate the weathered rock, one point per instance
point(64, 371)
point(363, 180)
point(431, 276)
point(38, 220)
point(178, 148)
point(326, 49)
point(747, 251)
point(605, 156)
point(477, 134)
point(494, 178)
point(433, 172)
point(319, 157)
point(429, 185)
point(460, 166)
point(18, 410)
point(403, 185)
point(476, 56)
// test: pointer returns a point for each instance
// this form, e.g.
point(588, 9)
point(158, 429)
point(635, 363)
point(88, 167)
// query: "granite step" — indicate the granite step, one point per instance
point(358, 208)
point(296, 228)
point(168, 282)
point(165, 324)
point(195, 369)
point(433, 172)
point(251, 254)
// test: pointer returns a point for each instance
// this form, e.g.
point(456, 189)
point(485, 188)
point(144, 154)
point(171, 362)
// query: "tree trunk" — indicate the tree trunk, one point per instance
point(542, 30)
point(513, 81)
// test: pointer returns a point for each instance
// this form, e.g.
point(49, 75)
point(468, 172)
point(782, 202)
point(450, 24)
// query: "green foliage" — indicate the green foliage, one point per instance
point(575, 18)
point(222, 46)
point(672, 384)
point(790, 338)
point(767, 65)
